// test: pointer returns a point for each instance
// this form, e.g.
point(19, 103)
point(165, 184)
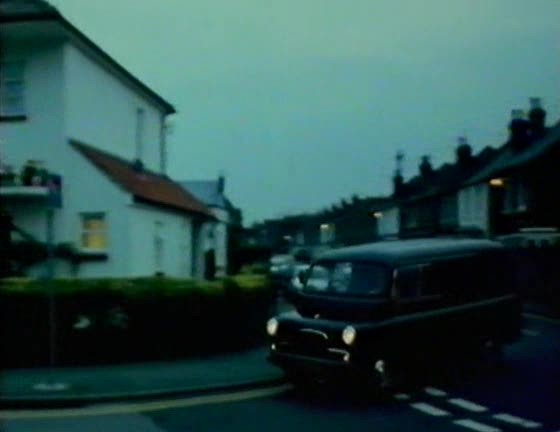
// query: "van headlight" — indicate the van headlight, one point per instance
point(349, 335)
point(272, 326)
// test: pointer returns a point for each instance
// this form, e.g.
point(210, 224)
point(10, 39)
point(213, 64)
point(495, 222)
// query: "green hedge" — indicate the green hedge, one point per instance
point(134, 286)
point(131, 319)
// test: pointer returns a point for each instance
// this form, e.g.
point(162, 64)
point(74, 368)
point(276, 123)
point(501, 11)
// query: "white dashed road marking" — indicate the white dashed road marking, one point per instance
point(528, 332)
point(401, 396)
point(468, 405)
point(541, 318)
point(465, 404)
point(429, 409)
point(477, 426)
point(432, 391)
point(508, 418)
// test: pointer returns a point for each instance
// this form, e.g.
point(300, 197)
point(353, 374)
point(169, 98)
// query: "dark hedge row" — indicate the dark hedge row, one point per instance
point(123, 320)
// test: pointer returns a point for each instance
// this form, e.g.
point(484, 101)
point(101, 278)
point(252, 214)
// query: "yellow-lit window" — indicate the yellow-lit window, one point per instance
point(94, 231)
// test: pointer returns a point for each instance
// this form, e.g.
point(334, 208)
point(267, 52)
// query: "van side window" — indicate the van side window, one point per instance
point(452, 278)
point(499, 274)
point(408, 282)
point(434, 280)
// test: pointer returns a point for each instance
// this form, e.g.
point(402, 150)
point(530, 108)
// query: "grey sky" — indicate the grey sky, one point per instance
point(304, 102)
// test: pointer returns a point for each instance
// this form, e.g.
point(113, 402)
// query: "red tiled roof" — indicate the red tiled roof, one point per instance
point(144, 185)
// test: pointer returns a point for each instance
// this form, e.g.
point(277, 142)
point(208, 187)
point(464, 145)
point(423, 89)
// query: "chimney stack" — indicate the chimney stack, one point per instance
point(138, 166)
point(464, 152)
point(221, 184)
point(519, 129)
point(426, 169)
point(537, 118)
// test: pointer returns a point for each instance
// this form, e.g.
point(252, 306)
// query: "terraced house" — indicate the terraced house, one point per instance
point(498, 192)
point(83, 157)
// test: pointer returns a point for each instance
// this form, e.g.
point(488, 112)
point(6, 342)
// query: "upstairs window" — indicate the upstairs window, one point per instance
point(12, 89)
point(94, 232)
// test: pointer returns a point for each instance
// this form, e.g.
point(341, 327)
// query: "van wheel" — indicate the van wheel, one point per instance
point(389, 379)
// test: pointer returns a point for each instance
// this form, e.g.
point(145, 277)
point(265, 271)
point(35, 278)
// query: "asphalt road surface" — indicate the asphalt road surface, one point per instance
point(522, 396)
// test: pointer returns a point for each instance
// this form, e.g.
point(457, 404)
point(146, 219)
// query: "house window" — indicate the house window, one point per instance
point(12, 90)
point(516, 197)
point(140, 120)
point(327, 233)
point(409, 218)
point(448, 210)
point(94, 231)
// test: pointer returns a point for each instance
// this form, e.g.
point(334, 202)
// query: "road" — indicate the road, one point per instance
point(525, 395)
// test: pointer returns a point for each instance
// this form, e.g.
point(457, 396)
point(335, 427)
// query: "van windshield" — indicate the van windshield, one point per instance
point(348, 278)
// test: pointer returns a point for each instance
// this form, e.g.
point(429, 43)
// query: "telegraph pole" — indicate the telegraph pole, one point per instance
point(53, 200)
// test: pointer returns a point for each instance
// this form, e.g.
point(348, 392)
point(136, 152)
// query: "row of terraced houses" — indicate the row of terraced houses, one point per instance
point(503, 191)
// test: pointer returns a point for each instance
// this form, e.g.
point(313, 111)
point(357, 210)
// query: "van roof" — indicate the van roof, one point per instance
point(400, 252)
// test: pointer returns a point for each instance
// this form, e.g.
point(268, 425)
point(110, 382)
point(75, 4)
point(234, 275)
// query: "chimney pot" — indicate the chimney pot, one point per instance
point(535, 102)
point(537, 118)
point(464, 151)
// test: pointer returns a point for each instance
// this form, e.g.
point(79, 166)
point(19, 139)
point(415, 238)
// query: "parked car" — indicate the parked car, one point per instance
point(299, 276)
point(373, 311)
point(281, 270)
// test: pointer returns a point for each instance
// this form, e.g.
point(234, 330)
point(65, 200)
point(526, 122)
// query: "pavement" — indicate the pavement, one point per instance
point(83, 385)
point(211, 374)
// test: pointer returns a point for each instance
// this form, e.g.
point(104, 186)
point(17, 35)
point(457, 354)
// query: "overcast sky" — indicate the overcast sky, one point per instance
point(304, 102)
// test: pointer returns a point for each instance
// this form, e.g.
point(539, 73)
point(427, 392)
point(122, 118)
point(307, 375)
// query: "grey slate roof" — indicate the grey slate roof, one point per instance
point(206, 191)
point(510, 158)
point(447, 178)
point(13, 11)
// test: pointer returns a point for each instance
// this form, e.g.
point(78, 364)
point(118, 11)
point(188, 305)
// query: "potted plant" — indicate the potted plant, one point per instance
point(28, 171)
point(7, 176)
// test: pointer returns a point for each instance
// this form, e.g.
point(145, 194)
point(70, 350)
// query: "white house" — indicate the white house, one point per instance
point(214, 234)
point(71, 108)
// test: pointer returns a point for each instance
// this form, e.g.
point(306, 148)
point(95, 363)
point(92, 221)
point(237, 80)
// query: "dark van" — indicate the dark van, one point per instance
point(372, 310)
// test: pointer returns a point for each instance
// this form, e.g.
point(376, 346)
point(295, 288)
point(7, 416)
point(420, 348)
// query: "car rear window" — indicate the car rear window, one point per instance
point(348, 278)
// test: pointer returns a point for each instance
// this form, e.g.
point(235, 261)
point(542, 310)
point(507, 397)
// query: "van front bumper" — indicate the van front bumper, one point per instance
point(297, 365)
